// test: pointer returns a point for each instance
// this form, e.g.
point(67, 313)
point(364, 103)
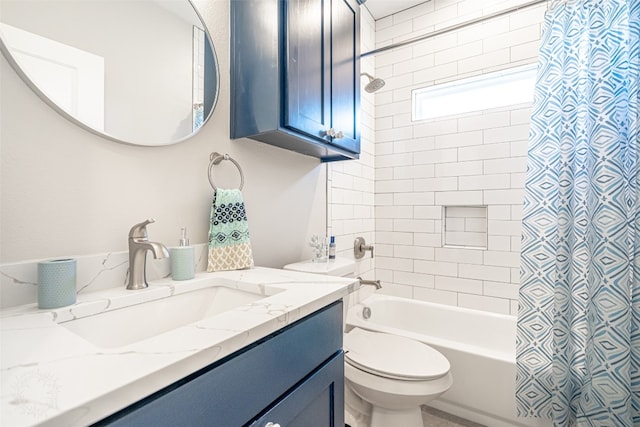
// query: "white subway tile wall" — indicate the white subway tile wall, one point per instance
point(351, 184)
point(471, 159)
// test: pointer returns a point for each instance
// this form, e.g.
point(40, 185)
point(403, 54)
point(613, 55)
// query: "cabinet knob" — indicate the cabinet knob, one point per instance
point(335, 134)
point(270, 424)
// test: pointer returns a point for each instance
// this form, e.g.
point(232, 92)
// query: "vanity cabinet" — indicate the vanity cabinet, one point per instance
point(295, 75)
point(294, 377)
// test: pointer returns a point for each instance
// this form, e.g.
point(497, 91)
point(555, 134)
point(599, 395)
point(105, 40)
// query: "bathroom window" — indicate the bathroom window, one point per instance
point(465, 226)
point(493, 90)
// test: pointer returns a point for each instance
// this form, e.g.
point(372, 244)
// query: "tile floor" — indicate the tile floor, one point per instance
point(431, 417)
point(435, 418)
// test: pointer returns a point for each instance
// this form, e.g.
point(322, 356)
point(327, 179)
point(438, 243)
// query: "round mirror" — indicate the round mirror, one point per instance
point(141, 72)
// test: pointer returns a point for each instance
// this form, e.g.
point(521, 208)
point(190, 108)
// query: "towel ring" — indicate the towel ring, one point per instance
point(216, 158)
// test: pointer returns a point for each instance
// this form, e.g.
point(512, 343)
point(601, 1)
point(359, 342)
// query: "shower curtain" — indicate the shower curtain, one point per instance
point(578, 339)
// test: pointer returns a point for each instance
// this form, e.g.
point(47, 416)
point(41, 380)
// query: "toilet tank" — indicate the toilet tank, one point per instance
point(342, 267)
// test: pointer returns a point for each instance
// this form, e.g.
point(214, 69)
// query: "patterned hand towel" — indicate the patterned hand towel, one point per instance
point(229, 246)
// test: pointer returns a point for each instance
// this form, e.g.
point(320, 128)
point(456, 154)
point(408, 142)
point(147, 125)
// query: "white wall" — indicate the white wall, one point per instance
point(67, 192)
point(474, 159)
point(351, 184)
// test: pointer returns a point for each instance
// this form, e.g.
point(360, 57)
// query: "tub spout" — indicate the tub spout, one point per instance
point(375, 283)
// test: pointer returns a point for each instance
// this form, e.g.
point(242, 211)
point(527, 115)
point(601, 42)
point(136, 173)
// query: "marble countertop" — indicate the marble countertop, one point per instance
point(51, 376)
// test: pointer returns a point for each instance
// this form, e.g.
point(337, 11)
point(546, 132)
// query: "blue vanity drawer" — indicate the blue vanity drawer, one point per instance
point(233, 391)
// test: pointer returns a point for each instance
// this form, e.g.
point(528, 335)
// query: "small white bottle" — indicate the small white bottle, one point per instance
point(183, 265)
point(332, 249)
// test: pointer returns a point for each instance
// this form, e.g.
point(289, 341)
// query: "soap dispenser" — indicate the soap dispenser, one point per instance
point(183, 266)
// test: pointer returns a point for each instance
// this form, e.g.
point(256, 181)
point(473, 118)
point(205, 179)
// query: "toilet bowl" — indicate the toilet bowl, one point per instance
point(387, 377)
point(395, 375)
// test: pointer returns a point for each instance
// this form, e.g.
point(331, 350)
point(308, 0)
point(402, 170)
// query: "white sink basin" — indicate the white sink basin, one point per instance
point(128, 325)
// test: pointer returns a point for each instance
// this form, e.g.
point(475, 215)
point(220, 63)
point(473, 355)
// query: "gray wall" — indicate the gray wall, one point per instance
point(66, 192)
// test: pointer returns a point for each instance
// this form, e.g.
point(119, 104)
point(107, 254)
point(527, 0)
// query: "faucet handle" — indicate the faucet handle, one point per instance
point(368, 248)
point(139, 231)
point(360, 246)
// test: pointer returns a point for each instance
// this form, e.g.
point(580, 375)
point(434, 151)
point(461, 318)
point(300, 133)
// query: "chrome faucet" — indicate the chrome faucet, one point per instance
point(139, 244)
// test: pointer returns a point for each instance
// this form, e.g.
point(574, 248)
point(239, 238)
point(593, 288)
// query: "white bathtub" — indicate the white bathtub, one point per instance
point(479, 345)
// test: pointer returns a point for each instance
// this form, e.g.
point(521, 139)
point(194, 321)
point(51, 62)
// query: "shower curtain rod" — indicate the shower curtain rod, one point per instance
point(454, 27)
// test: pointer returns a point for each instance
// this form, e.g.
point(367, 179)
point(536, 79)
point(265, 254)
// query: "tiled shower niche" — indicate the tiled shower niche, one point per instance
point(465, 226)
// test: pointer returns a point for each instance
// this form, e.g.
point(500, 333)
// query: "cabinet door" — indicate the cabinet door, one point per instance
point(345, 69)
point(316, 402)
point(307, 89)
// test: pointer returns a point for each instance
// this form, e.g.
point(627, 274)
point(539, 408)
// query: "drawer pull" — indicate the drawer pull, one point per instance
point(270, 424)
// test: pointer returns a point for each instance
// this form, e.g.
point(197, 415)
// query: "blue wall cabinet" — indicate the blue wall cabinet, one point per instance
point(294, 377)
point(295, 71)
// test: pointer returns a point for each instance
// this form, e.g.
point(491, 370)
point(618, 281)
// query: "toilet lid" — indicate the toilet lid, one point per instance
point(393, 356)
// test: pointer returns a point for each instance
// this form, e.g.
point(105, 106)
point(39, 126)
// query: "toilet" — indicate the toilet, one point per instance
point(387, 377)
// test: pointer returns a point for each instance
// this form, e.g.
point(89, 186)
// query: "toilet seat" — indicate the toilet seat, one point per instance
point(393, 356)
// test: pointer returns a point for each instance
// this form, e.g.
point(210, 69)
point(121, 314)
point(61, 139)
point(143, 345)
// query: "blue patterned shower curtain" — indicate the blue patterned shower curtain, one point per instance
point(578, 340)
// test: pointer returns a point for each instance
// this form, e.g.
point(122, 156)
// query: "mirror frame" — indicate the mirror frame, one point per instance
point(27, 80)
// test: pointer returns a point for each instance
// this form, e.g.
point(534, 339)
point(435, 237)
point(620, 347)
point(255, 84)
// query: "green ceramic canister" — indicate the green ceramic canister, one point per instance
point(56, 283)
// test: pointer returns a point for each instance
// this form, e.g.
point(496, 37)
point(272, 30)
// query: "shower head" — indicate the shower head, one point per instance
point(374, 83)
